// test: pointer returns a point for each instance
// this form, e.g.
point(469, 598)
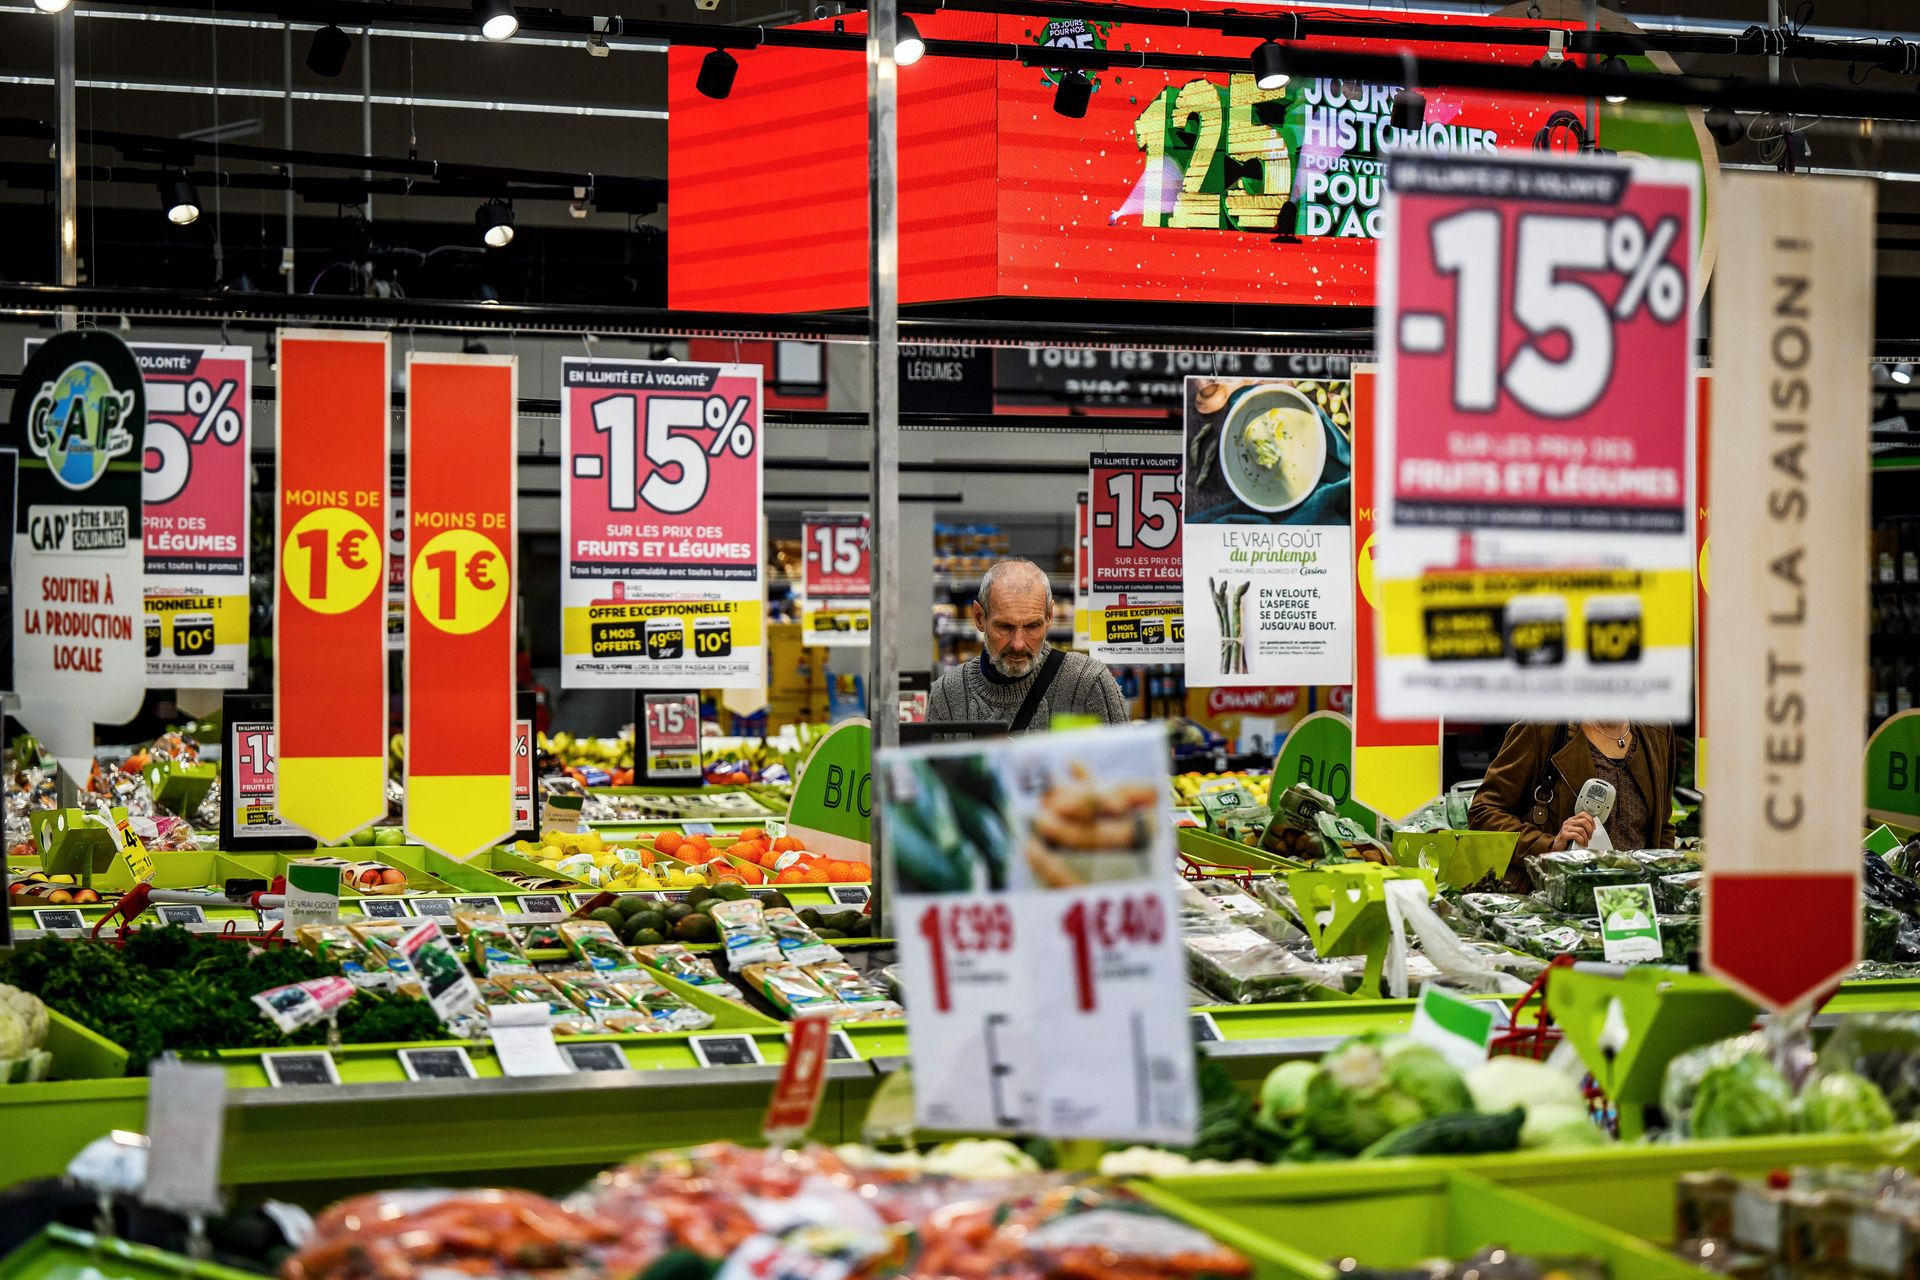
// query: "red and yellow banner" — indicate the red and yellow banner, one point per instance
point(461, 567)
point(329, 635)
point(1396, 763)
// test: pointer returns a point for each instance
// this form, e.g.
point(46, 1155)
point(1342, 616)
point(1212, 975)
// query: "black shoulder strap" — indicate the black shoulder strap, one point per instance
point(1041, 683)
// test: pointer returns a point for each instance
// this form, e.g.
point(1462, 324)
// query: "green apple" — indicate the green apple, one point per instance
point(363, 837)
point(387, 837)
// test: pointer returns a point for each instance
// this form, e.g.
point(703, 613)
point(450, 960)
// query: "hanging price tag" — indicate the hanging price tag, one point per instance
point(1038, 962)
point(836, 586)
point(670, 729)
point(1134, 558)
point(523, 775)
point(1535, 426)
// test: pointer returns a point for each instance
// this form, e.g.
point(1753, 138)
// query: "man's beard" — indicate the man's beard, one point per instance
point(1024, 669)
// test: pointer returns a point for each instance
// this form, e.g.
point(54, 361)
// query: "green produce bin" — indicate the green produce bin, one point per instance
point(63, 1253)
point(1408, 1216)
point(80, 1053)
point(1215, 850)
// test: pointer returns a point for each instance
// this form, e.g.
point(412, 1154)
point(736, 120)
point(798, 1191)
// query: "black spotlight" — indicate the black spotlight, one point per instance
point(1725, 126)
point(327, 55)
point(1269, 65)
point(181, 200)
point(495, 220)
point(1614, 64)
point(717, 71)
point(1071, 96)
point(497, 19)
point(1409, 109)
point(908, 46)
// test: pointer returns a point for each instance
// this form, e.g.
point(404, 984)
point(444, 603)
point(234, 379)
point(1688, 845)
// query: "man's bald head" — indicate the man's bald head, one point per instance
point(1013, 612)
point(1014, 582)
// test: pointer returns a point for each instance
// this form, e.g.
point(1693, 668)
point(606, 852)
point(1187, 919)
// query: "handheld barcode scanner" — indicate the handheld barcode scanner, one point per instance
point(1596, 798)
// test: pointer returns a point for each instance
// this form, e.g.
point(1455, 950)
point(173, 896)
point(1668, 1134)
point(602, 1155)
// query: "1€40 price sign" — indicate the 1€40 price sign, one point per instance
point(1536, 418)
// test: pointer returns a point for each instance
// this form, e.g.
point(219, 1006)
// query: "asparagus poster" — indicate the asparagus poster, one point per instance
point(1269, 532)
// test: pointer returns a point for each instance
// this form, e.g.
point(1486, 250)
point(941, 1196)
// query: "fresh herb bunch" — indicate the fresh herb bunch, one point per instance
point(168, 989)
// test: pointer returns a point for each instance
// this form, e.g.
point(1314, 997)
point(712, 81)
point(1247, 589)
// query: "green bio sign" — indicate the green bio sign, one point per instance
point(1319, 753)
point(1893, 771)
point(832, 808)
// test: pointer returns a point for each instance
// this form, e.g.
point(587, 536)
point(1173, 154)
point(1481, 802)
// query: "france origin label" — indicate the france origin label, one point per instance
point(1134, 606)
point(329, 635)
point(78, 423)
point(195, 526)
point(663, 579)
point(1268, 538)
point(460, 705)
point(1792, 311)
point(1396, 763)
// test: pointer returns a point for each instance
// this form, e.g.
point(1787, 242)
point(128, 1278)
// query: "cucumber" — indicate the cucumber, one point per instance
point(1461, 1133)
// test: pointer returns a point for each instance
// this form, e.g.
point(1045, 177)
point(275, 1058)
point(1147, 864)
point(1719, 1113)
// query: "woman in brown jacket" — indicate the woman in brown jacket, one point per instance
point(1534, 783)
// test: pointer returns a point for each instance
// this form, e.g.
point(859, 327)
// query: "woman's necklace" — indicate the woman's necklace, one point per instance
point(1618, 735)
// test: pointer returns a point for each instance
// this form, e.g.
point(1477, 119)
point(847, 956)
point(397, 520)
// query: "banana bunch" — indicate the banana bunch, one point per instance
point(581, 753)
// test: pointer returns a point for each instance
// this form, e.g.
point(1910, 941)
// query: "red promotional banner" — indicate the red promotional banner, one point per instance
point(1176, 185)
point(460, 583)
point(1396, 763)
point(329, 634)
point(1702, 554)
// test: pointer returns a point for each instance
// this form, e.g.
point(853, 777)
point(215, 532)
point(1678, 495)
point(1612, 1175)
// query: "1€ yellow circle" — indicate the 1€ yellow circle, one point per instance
point(332, 561)
point(460, 581)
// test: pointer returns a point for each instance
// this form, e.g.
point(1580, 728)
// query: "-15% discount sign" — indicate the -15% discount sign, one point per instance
point(1535, 437)
point(681, 440)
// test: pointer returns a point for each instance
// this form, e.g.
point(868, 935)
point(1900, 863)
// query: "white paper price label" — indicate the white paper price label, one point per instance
point(186, 1123)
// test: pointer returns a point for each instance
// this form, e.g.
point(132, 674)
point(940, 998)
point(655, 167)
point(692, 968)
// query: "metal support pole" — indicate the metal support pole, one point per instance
point(1593, 103)
point(66, 161)
point(287, 267)
point(883, 349)
point(366, 106)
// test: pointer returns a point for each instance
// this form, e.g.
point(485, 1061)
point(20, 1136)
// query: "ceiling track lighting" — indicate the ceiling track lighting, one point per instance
point(181, 200)
point(497, 19)
point(1072, 94)
point(51, 6)
point(495, 220)
point(1409, 109)
point(1270, 65)
point(327, 55)
point(908, 46)
point(1902, 374)
point(1614, 64)
point(717, 71)
point(1556, 55)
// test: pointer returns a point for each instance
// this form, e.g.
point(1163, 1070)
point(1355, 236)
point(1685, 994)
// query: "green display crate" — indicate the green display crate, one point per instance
point(1302, 1231)
point(64, 1253)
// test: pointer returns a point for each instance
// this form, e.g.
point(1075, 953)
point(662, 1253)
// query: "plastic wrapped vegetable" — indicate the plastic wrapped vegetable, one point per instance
point(599, 948)
point(1566, 880)
point(408, 1233)
point(798, 943)
point(492, 949)
point(845, 984)
point(1885, 1049)
point(1883, 886)
point(1678, 894)
point(1238, 966)
point(1371, 1085)
point(674, 960)
point(1730, 1089)
point(1880, 932)
point(744, 933)
point(1842, 1102)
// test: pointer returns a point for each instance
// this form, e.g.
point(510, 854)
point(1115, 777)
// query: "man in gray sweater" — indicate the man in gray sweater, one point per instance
point(1013, 613)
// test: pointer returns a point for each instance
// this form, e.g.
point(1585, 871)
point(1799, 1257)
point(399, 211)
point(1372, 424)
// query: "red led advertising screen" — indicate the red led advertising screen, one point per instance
point(1175, 186)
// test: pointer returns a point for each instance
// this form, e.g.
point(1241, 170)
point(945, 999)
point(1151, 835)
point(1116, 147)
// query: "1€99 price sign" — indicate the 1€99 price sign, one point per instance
point(1134, 610)
point(661, 525)
point(1535, 433)
point(1040, 948)
point(836, 578)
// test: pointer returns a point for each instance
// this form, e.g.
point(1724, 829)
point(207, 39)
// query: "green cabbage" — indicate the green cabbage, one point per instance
point(1742, 1096)
point(1842, 1102)
point(1283, 1098)
point(1505, 1082)
point(1560, 1126)
point(1371, 1085)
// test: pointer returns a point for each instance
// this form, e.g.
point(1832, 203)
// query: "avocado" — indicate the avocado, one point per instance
point(696, 928)
point(775, 899)
point(811, 917)
point(651, 919)
point(731, 892)
point(845, 920)
point(631, 904)
point(698, 895)
point(609, 916)
point(648, 937)
point(827, 931)
point(676, 912)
